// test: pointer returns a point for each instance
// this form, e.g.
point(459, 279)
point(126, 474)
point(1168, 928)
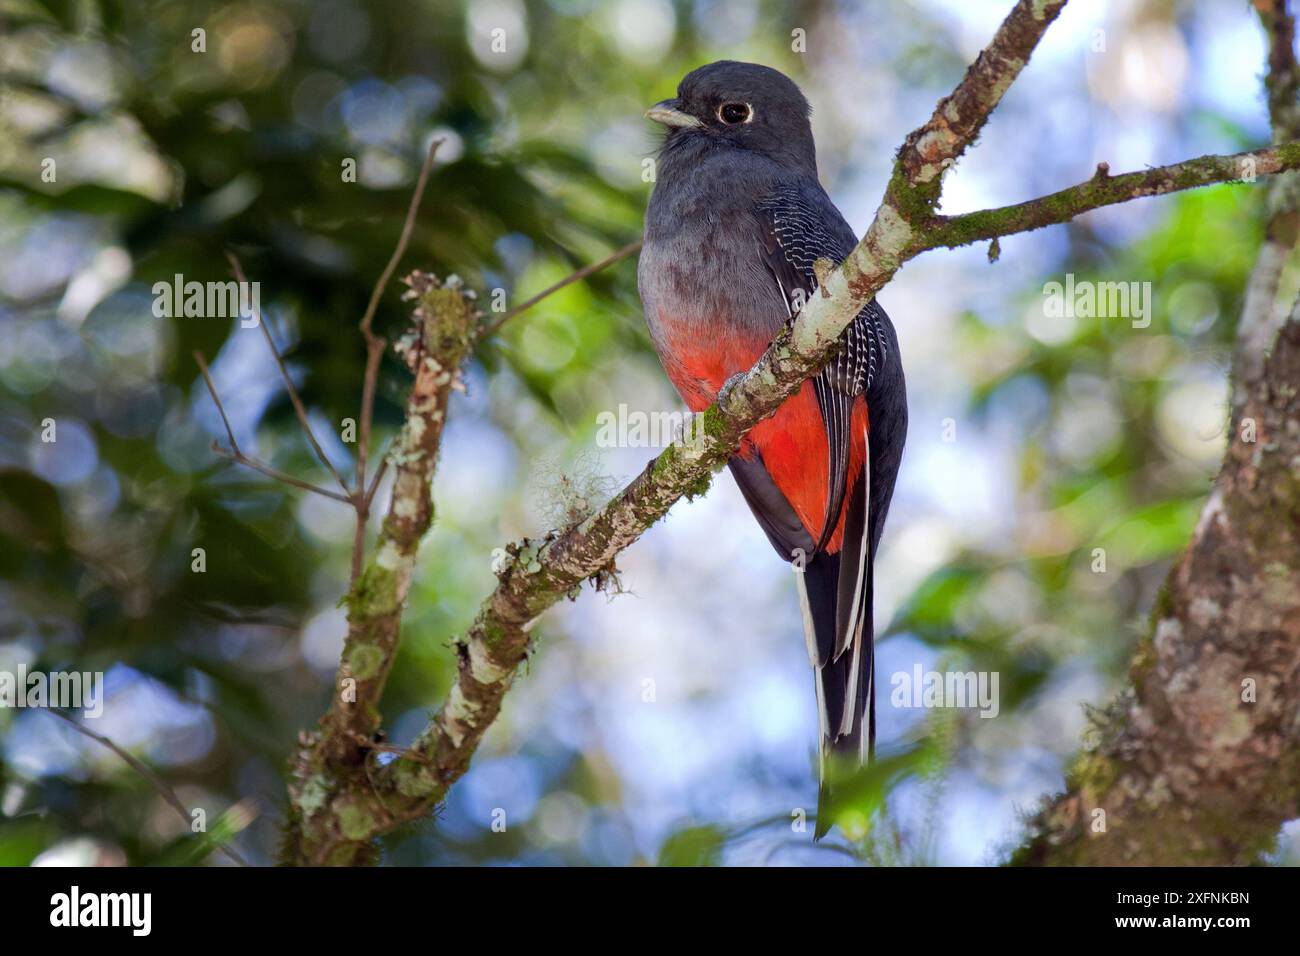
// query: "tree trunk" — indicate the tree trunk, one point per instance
point(1198, 761)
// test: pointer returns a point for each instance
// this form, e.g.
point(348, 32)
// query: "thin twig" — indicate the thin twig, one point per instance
point(216, 399)
point(361, 500)
point(378, 477)
point(236, 455)
point(582, 273)
point(157, 782)
point(375, 344)
point(402, 240)
point(299, 409)
point(374, 354)
point(358, 540)
point(361, 740)
point(242, 459)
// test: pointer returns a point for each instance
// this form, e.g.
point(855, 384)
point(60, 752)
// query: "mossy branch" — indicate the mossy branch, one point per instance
point(1103, 189)
point(929, 151)
point(329, 765)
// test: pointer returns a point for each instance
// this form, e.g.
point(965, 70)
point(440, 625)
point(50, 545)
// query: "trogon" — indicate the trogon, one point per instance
point(736, 221)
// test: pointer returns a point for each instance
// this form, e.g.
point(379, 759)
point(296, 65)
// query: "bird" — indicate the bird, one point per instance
point(737, 229)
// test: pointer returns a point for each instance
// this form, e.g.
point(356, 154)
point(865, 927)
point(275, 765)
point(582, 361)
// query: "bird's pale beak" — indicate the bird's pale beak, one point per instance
point(668, 114)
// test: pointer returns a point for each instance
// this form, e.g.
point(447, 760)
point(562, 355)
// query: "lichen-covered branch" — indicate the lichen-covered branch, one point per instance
point(929, 151)
point(1103, 189)
point(329, 766)
point(539, 573)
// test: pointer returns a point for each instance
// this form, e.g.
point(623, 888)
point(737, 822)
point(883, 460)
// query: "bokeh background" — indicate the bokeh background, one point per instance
point(675, 722)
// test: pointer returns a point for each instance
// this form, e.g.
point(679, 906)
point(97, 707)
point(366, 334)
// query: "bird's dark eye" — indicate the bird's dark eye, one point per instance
point(733, 113)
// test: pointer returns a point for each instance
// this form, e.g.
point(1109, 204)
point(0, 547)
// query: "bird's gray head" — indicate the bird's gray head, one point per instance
point(743, 106)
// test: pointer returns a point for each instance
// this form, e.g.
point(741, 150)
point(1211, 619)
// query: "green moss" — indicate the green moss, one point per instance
point(375, 592)
point(365, 661)
point(1164, 604)
point(490, 630)
point(315, 791)
point(356, 819)
point(915, 204)
point(715, 423)
point(699, 487)
point(666, 463)
point(1093, 774)
point(345, 854)
point(1041, 7)
point(449, 323)
point(414, 779)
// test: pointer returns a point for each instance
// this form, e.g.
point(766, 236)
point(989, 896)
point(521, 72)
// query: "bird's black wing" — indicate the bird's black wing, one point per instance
point(798, 226)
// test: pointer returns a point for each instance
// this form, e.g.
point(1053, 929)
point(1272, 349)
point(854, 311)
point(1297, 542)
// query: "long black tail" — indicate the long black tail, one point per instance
point(837, 599)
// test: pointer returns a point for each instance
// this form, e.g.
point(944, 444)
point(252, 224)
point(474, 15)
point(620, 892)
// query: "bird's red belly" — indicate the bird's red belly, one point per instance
point(792, 442)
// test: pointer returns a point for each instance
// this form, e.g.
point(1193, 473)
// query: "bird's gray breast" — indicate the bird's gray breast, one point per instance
point(701, 272)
